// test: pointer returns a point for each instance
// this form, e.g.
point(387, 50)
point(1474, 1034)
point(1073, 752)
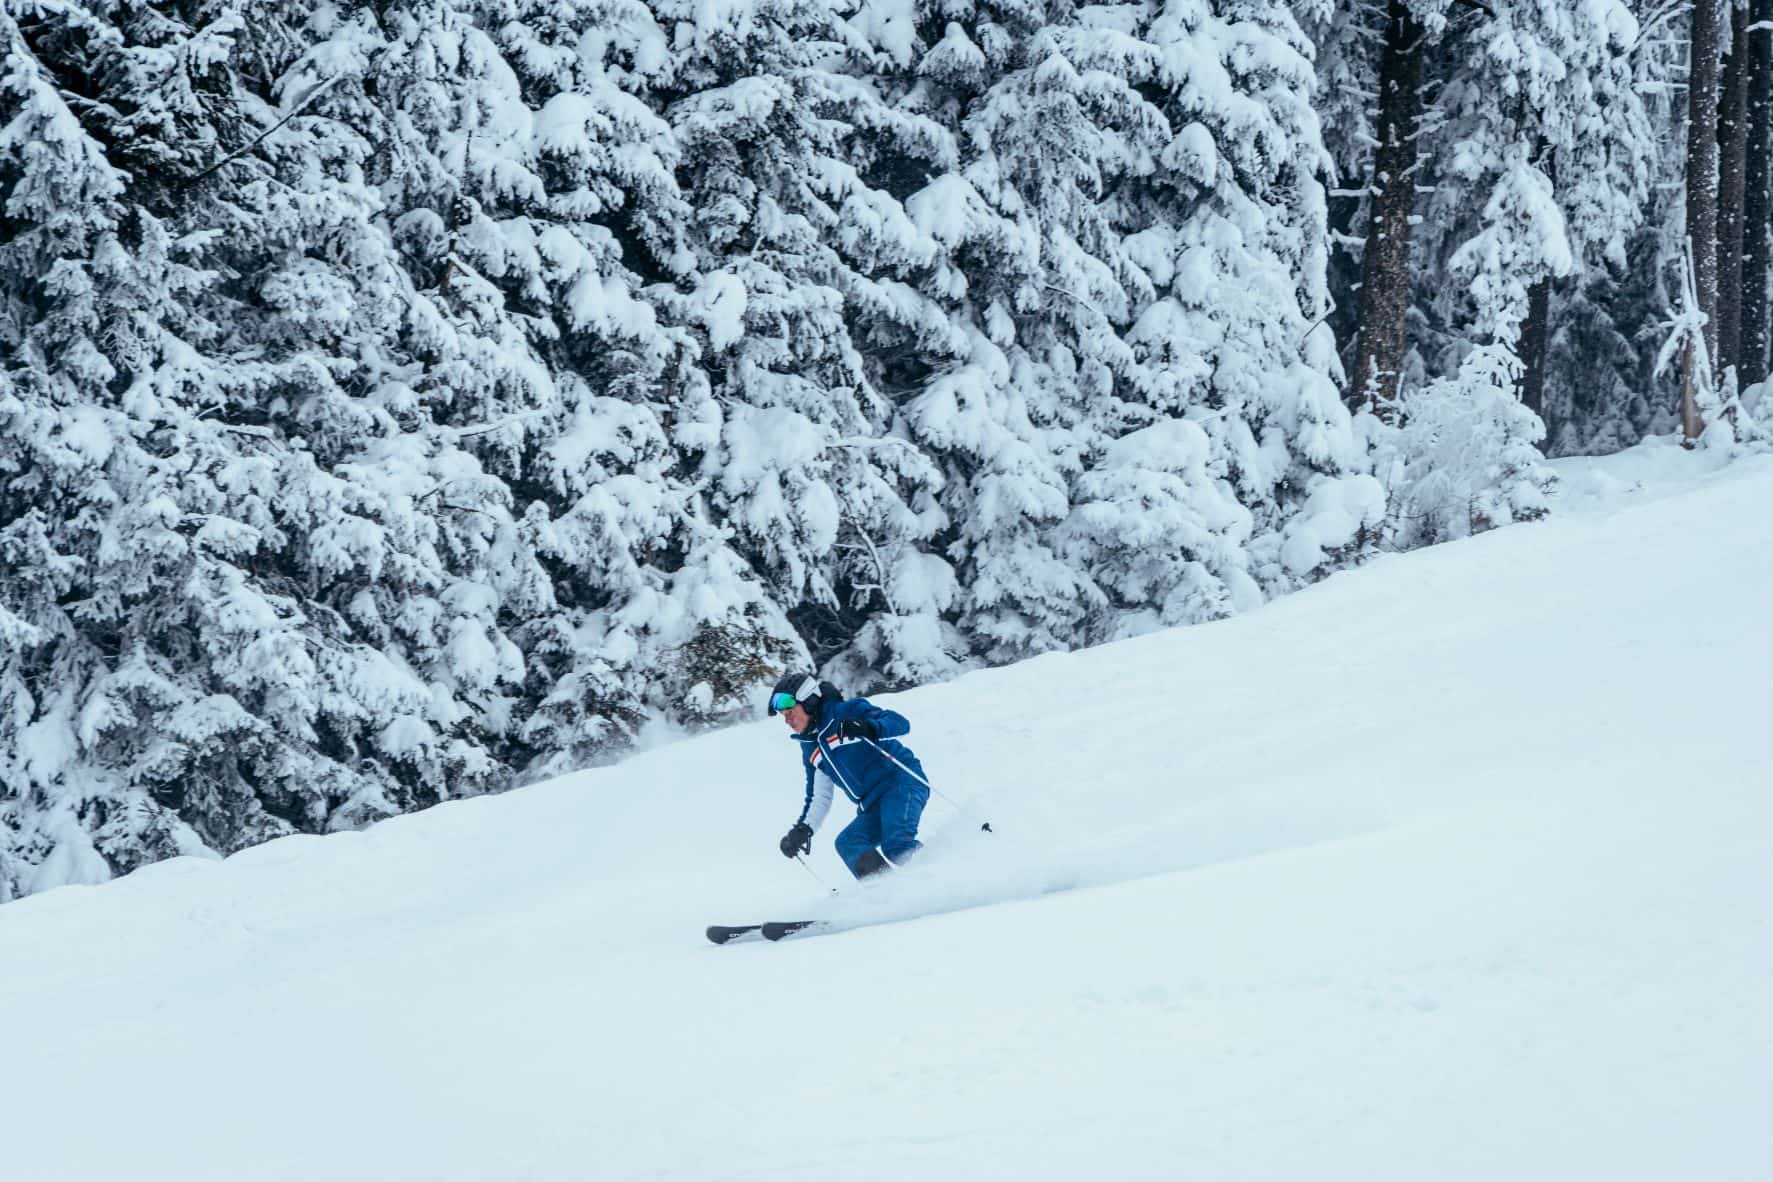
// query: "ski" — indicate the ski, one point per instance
point(767, 931)
point(722, 935)
point(776, 931)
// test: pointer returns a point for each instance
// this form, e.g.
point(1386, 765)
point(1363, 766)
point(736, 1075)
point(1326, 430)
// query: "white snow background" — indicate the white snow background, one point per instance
point(1458, 866)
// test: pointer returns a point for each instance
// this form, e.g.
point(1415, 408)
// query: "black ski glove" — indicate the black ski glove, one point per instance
point(798, 840)
point(858, 728)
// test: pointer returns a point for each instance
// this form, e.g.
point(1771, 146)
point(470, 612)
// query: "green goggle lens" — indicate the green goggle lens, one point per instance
point(784, 702)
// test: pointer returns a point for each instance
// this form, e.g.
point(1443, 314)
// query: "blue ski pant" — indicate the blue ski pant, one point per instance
point(889, 823)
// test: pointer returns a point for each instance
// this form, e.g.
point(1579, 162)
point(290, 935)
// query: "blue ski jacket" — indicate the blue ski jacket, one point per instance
point(863, 770)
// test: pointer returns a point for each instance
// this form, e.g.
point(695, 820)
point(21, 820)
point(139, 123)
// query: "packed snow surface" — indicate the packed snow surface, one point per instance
point(1459, 866)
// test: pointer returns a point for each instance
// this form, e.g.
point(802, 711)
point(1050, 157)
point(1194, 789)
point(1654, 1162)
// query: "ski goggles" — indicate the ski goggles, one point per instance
point(786, 700)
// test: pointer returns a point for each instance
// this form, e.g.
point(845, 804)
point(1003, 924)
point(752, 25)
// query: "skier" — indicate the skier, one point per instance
point(851, 743)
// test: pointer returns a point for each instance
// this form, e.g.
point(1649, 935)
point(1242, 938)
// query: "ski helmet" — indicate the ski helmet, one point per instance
point(803, 690)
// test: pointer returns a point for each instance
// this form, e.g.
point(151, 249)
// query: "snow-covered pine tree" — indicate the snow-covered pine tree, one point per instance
point(63, 212)
point(407, 530)
point(1467, 446)
point(1576, 84)
point(1597, 380)
point(1235, 472)
point(1123, 415)
point(798, 258)
point(181, 690)
point(633, 606)
point(1541, 154)
point(1602, 388)
point(275, 575)
point(995, 397)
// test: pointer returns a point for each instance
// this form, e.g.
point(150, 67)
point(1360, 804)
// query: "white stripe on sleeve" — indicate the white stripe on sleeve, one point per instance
point(818, 804)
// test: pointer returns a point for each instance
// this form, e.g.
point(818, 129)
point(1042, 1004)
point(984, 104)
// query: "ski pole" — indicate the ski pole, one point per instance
point(952, 803)
point(805, 865)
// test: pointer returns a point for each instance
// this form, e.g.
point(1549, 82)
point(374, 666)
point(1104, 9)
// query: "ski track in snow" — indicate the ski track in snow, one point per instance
point(1456, 866)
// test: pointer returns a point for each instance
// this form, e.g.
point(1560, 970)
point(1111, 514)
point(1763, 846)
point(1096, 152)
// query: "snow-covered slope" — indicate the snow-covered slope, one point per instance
point(1459, 866)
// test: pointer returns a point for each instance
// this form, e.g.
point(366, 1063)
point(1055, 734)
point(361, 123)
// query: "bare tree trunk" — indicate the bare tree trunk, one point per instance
point(1757, 203)
point(1732, 177)
point(1702, 196)
point(1385, 262)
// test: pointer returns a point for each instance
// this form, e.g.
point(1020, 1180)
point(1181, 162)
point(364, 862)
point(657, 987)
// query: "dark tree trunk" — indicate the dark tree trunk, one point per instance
point(1536, 331)
point(1702, 195)
point(1535, 336)
point(1385, 261)
point(1732, 173)
point(1757, 203)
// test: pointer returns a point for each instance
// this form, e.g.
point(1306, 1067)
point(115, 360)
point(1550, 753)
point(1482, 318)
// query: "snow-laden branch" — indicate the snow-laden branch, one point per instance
point(1658, 18)
point(880, 574)
point(486, 428)
point(308, 100)
point(1687, 326)
point(865, 443)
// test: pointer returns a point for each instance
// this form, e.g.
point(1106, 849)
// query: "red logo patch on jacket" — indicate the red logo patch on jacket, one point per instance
point(819, 751)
